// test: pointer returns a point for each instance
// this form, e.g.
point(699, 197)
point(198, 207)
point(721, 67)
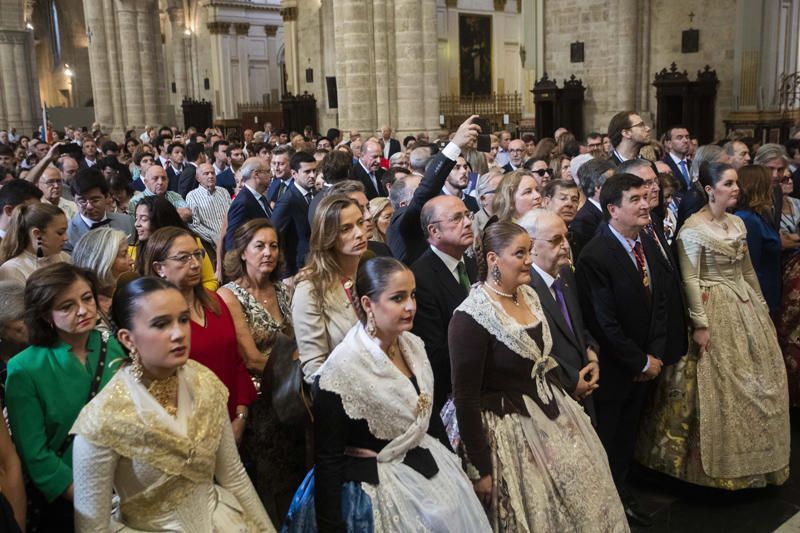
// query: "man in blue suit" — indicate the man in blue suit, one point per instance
point(291, 211)
point(251, 202)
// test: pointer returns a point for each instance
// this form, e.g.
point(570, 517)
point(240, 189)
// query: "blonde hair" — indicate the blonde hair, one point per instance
point(503, 204)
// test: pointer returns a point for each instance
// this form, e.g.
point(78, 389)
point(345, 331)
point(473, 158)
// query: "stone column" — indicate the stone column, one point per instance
point(111, 30)
point(627, 39)
point(272, 59)
point(149, 38)
point(98, 63)
point(24, 78)
point(382, 75)
point(131, 62)
point(353, 67)
point(430, 65)
point(291, 60)
point(409, 67)
point(8, 73)
point(220, 69)
point(19, 100)
point(242, 42)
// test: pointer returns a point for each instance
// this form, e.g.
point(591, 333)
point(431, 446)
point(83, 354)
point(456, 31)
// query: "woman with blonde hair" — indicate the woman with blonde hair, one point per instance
point(381, 212)
point(35, 238)
point(324, 307)
point(517, 194)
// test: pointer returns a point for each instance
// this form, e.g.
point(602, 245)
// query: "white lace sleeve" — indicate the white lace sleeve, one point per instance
point(93, 470)
point(230, 474)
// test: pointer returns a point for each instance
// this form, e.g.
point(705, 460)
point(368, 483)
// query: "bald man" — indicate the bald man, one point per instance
point(155, 184)
point(209, 204)
point(52, 186)
point(368, 169)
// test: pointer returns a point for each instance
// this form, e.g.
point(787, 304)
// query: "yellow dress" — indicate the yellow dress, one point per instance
point(210, 281)
point(722, 419)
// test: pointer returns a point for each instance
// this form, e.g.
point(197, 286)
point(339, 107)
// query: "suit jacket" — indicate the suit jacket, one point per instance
point(469, 201)
point(569, 345)
point(82, 163)
point(394, 147)
point(243, 208)
point(274, 187)
point(404, 234)
point(291, 218)
point(361, 175)
point(77, 227)
point(227, 180)
point(626, 322)
point(508, 168)
point(584, 226)
point(438, 295)
point(676, 172)
point(174, 178)
point(665, 267)
point(187, 181)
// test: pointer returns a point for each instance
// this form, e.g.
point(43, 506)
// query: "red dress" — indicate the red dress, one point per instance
point(215, 347)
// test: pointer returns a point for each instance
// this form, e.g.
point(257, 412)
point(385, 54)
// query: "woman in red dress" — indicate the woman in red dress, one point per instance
point(173, 254)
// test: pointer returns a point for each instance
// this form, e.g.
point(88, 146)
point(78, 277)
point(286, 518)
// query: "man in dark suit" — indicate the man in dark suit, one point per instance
point(623, 305)
point(390, 146)
point(404, 234)
point(551, 277)
point(281, 174)
point(195, 156)
point(251, 202)
point(664, 265)
point(677, 141)
point(177, 155)
point(516, 155)
point(89, 151)
point(368, 169)
point(457, 182)
point(591, 175)
point(628, 133)
point(291, 212)
point(90, 190)
point(443, 279)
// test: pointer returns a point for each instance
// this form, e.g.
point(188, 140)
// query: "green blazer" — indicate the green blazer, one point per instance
point(46, 388)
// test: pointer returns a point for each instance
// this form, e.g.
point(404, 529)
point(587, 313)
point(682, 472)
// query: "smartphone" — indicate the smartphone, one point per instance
point(484, 141)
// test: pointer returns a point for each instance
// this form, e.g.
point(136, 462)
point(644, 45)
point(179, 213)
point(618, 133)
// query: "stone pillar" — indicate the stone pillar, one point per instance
point(19, 100)
point(131, 62)
point(291, 59)
point(160, 70)
point(242, 43)
point(220, 69)
point(627, 12)
point(179, 61)
point(382, 76)
point(409, 67)
point(149, 38)
point(111, 31)
point(353, 66)
point(272, 58)
point(8, 73)
point(98, 63)
point(430, 65)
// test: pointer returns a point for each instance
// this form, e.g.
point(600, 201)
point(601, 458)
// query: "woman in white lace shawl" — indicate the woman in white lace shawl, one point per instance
point(534, 457)
point(158, 433)
point(381, 461)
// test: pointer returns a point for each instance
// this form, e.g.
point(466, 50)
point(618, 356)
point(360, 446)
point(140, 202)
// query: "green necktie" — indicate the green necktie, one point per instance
point(462, 276)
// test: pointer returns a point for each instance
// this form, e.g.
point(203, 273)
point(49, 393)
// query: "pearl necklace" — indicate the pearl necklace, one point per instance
point(513, 297)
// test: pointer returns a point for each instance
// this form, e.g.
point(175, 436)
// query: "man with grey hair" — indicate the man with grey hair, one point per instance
point(773, 156)
point(738, 153)
point(591, 175)
point(368, 169)
point(403, 189)
point(209, 205)
point(574, 348)
point(251, 202)
point(485, 191)
point(516, 155)
point(419, 158)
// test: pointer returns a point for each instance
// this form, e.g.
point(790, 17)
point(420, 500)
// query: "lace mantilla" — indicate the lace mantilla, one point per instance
point(373, 389)
point(491, 315)
point(696, 230)
point(112, 420)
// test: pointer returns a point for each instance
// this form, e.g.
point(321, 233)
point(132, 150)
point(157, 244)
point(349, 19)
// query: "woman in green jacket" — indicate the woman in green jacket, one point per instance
point(48, 384)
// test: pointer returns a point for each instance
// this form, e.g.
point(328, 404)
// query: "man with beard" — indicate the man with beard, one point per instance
point(457, 182)
point(628, 133)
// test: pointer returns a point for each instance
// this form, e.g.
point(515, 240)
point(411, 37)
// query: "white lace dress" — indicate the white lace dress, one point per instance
point(170, 474)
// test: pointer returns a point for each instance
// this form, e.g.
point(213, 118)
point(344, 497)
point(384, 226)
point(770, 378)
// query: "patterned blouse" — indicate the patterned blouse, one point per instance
point(262, 325)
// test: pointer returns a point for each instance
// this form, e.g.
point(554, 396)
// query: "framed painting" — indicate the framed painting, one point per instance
point(475, 54)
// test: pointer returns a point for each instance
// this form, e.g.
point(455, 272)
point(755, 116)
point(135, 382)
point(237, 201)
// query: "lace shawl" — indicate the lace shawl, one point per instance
point(491, 315)
point(112, 420)
point(373, 389)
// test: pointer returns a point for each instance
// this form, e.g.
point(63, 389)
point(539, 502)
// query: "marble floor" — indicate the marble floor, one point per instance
point(678, 507)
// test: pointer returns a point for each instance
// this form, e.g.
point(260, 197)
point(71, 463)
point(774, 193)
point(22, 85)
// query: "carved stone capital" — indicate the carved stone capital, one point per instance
point(217, 28)
point(242, 28)
point(271, 31)
point(289, 14)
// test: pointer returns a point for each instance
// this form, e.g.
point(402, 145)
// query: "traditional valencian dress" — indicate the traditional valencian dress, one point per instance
point(178, 473)
point(378, 466)
point(549, 470)
point(721, 419)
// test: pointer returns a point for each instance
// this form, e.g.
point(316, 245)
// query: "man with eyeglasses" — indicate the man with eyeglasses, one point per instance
point(52, 185)
point(444, 276)
point(574, 348)
point(628, 133)
point(594, 143)
point(516, 155)
point(90, 190)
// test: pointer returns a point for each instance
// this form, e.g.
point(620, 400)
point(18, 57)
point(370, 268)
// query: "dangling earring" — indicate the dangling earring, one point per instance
point(371, 329)
point(712, 199)
point(39, 251)
point(496, 274)
point(136, 365)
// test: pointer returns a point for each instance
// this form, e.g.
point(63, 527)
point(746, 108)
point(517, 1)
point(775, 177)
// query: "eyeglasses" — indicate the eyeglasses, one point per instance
point(516, 150)
point(638, 125)
point(543, 171)
point(96, 201)
point(184, 259)
point(558, 240)
point(53, 183)
point(786, 179)
point(457, 218)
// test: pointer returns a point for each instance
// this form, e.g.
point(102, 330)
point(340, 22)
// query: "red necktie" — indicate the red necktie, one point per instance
point(638, 252)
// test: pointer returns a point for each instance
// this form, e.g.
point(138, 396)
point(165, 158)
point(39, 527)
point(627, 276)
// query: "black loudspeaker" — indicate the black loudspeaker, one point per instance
point(206, 84)
point(333, 95)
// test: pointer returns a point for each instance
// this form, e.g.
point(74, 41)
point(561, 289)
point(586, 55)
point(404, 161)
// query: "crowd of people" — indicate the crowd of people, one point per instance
point(296, 332)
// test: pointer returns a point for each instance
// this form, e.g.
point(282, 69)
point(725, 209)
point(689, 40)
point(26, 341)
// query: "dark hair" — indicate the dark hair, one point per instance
point(620, 121)
point(160, 141)
point(668, 133)
point(280, 150)
point(17, 192)
point(528, 164)
point(87, 179)
point(333, 133)
point(299, 158)
point(549, 188)
point(373, 277)
point(613, 189)
point(495, 237)
point(233, 262)
point(407, 139)
point(193, 151)
point(109, 146)
point(528, 137)
point(792, 146)
point(120, 183)
point(140, 154)
point(594, 135)
point(6, 150)
point(336, 166)
point(107, 162)
point(755, 190)
point(162, 214)
point(390, 176)
point(172, 146)
point(324, 139)
point(590, 174)
point(41, 290)
point(217, 144)
point(156, 249)
point(711, 173)
point(123, 305)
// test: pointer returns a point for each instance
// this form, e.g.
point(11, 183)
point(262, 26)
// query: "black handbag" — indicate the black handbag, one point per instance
point(283, 382)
